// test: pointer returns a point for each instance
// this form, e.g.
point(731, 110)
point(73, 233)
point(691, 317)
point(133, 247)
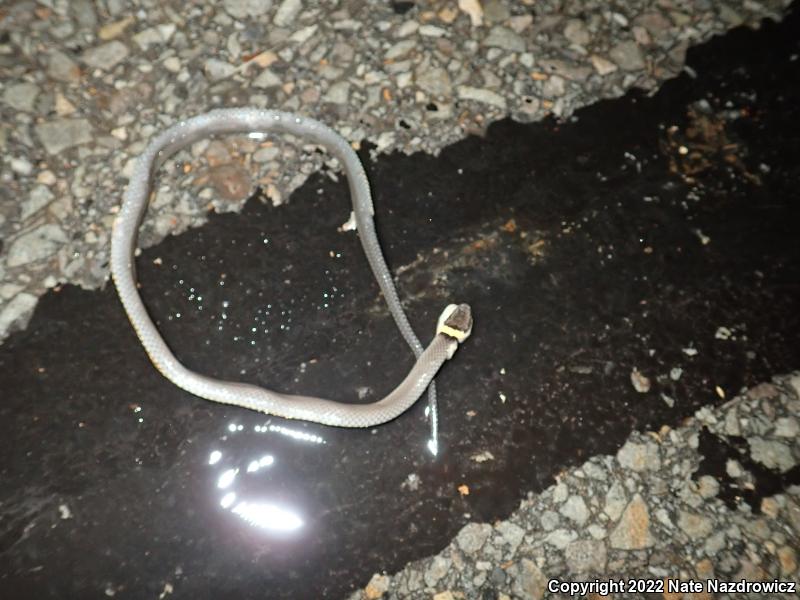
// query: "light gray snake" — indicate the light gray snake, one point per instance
point(454, 326)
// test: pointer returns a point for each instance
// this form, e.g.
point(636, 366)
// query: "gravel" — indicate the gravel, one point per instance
point(672, 523)
point(109, 81)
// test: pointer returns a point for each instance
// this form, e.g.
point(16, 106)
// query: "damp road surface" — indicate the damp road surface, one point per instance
point(625, 267)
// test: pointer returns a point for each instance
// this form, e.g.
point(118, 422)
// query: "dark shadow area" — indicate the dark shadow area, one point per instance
point(717, 451)
point(656, 234)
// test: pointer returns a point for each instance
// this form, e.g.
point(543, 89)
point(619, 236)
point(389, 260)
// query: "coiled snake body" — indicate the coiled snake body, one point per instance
point(454, 327)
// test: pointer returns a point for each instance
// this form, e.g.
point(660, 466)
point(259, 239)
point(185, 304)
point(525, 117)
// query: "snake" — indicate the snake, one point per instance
point(453, 326)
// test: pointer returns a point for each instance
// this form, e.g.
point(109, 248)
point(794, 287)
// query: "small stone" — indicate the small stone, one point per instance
point(495, 11)
point(575, 509)
point(406, 29)
point(436, 570)
point(788, 558)
point(267, 79)
point(39, 197)
point(474, 11)
point(640, 383)
point(216, 69)
point(528, 580)
point(771, 454)
point(172, 64)
point(549, 520)
point(730, 16)
point(64, 107)
point(57, 136)
point(46, 177)
point(17, 309)
point(21, 96)
point(694, 525)
point(707, 486)
point(434, 80)
point(787, 427)
point(302, 35)
point(432, 31)
point(512, 534)
point(554, 87)
point(616, 501)
point(633, 530)
point(267, 154)
point(577, 33)
point(107, 56)
point(153, 36)
point(602, 66)
point(502, 37)
point(586, 556)
point(520, 23)
point(338, 93)
point(62, 68)
point(639, 457)
point(22, 166)
point(733, 468)
point(628, 56)
point(770, 507)
point(287, 12)
point(115, 29)
point(377, 587)
point(232, 182)
point(472, 537)
point(655, 23)
point(36, 245)
point(241, 9)
point(480, 95)
point(560, 538)
point(560, 493)
point(400, 49)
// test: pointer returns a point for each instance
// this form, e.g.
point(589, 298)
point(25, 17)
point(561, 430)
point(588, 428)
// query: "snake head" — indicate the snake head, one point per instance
point(456, 322)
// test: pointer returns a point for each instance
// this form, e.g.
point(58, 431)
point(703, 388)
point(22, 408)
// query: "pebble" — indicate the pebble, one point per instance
point(267, 79)
point(627, 56)
point(602, 65)
point(36, 245)
point(377, 586)
point(472, 537)
point(502, 37)
point(287, 12)
point(39, 197)
point(474, 10)
point(62, 68)
point(242, 9)
point(577, 32)
point(154, 36)
point(216, 69)
point(639, 457)
point(694, 525)
point(21, 166)
point(771, 454)
point(633, 530)
point(21, 96)
point(435, 81)
point(19, 307)
point(575, 509)
point(338, 93)
point(107, 56)
point(483, 96)
point(62, 134)
point(586, 556)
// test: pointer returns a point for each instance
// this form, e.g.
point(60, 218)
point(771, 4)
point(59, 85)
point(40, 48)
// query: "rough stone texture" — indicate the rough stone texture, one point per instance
point(672, 524)
point(94, 84)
